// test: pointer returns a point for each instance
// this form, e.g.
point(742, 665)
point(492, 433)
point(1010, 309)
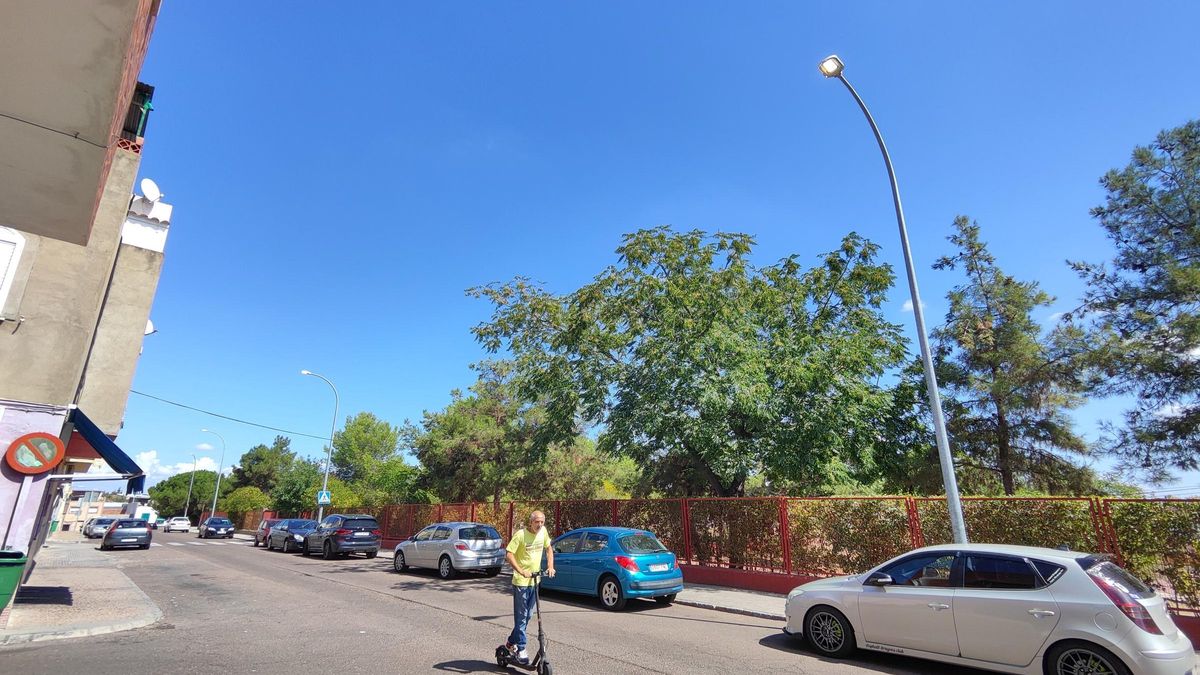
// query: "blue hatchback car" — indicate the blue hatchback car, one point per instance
point(614, 563)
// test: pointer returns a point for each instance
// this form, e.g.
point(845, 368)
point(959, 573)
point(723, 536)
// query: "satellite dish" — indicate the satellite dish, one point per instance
point(150, 190)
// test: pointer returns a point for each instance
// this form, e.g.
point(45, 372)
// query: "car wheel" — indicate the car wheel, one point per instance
point(256, 542)
point(287, 546)
point(327, 551)
point(828, 632)
point(612, 597)
point(372, 554)
point(103, 547)
point(144, 546)
point(267, 545)
point(1069, 658)
point(492, 571)
point(398, 562)
point(445, 568)
point(665, 599)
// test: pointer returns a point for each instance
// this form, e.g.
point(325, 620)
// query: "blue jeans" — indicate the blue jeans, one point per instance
point(524, 601)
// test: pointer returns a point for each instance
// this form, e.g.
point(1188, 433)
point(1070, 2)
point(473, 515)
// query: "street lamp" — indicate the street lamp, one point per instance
point(191, 481)
point(832, 66)
point(220, 468)
point(332, 431)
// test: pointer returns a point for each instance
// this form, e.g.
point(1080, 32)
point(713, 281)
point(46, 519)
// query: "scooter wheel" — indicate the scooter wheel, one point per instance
point(545, 669)
point(502, 656)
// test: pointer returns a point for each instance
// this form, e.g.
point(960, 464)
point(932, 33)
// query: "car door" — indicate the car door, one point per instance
point(436, 545)
point(416, 550)
point(316, 540)
point(591, 558)
point(916, 611)
point(565, 562)
point(1003, 612)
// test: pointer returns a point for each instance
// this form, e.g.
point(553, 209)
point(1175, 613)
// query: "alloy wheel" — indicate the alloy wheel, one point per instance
point(1083, 662)
point(826, 632)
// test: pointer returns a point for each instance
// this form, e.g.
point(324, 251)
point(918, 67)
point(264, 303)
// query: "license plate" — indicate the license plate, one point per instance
point(659, 568)
point(130, 539)
point(362, 534)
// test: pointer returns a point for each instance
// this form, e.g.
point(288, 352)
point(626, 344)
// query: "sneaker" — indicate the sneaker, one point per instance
point(523, 657)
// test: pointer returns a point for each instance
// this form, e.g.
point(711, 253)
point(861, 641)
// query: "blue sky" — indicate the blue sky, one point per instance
point(342, 173)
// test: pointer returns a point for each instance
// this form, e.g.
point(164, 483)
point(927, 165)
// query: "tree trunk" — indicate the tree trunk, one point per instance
point(1004, 452)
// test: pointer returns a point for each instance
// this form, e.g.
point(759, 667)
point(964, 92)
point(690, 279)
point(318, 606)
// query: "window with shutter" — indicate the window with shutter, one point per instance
point(11, 245)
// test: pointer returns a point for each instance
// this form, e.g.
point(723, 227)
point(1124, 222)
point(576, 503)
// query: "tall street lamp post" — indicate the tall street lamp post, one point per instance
point(220, 468)
point(191, 481)
point(832, 66)
point(332, 432)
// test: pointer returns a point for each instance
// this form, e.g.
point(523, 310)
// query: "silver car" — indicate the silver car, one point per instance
point(98, 527)
point(451, 547)
point(127, 532)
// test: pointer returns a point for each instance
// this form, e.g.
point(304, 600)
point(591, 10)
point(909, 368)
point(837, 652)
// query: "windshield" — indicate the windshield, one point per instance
point(104, 521)
point(219, 522)
point(473, 533)
point(642, 542)
point(365, 523)
point(132, 523)
point(302, 524)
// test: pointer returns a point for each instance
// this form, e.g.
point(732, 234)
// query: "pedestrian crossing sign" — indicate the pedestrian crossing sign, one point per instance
point(324, 497)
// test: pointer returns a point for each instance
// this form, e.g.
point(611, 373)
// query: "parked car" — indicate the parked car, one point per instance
point(288, 535)
point(86, 526)
point(450, 547)
point(615, 564)
point(215, 527)
point(178, 524)
point(157, 523)
point(260, 533)
point(126, 532)
point(97, 528)
point(341, 534)
point(1014, 609)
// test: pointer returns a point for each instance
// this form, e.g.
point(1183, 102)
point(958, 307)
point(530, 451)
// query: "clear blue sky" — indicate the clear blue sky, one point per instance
point(341, 173)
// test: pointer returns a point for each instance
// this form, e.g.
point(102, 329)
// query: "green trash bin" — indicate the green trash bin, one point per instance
point(12, 565)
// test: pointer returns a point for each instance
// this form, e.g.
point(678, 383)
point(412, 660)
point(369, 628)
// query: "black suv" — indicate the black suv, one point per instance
point(341, 534)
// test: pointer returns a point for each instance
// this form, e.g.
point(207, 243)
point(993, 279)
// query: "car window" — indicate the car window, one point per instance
point(426, 533)
point(641, 542)
point(442, 534)
point(361, 523)
point(1050, 572)
point(131, 523)
point(1000, 573)
point(594, 542)
point(331, 521)
point(302, 524)
point(477, 533)
point(568, 543)
point(925, 570)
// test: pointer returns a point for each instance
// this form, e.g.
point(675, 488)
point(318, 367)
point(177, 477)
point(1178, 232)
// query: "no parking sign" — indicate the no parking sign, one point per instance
point(35, 453)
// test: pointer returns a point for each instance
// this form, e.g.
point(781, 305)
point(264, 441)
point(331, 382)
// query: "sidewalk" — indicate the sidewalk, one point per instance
point(76, 591)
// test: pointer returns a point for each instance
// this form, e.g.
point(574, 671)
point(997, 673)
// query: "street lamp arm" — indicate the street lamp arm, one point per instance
point(332, 433)
point(957, 525)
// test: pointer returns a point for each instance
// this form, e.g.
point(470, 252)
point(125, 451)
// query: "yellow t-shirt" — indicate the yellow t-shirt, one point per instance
point(528, 548)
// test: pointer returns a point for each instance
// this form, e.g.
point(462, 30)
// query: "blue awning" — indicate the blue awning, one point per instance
point(108, 450)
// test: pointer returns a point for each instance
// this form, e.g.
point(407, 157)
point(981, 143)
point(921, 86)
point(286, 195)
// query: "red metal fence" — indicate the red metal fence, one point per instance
point(774, 543)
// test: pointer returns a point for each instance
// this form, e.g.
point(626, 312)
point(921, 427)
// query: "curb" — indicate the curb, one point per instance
point(152, 615)
point(731, 610)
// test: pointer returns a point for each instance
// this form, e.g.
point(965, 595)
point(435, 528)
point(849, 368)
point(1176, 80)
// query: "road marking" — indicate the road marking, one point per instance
point(174, 543)
point(153, 544)
point(196, 543)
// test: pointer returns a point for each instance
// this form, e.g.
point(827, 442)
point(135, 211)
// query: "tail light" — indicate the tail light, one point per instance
point(462, 547)
point(377, 533)
point(628, 563)
point(1128, 604)
point(343, 532)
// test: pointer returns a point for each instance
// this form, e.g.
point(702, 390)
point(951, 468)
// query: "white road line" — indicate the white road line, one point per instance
point(155, 544)
point(196, 543)
point(174, 543)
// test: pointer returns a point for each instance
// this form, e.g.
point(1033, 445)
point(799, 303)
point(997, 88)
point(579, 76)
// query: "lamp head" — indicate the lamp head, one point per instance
point(306, 372)
point(831, 66)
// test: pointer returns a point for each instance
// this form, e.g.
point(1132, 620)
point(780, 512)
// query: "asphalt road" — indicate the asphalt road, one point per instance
point(231, 608)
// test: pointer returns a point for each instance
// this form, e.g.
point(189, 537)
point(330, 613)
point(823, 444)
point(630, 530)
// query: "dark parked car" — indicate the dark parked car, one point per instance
point(341, 534)
point(288, 535)
point(260, 534)
point(216, 527)
point(126, 532)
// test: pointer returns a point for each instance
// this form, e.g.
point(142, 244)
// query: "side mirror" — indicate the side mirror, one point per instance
point(879, 579)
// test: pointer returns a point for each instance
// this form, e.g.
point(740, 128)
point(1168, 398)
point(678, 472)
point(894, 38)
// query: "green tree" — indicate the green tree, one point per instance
point(169, 496)
point(362, 445)
point(1145, 304)
point(1008, 387)
point(261, 465)
point(686, 353)
point(296, 489)
point(393, 481)
point(244, 500)
point(579, 470)
point(481, 446)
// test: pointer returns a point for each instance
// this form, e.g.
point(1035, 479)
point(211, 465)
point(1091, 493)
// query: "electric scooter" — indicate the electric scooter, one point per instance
point(540, 662)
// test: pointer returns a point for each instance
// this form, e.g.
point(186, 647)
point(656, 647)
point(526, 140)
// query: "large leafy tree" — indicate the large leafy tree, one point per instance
point(1008, 387)
point(261, 466)
point(481, 446)
point(170, 496)
point(243, 500)
point(362, 446)
point(296, 490)
point(686, 353)
point(1145, 303)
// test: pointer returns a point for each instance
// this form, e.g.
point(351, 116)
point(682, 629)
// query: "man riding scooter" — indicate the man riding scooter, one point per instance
point(525, 556)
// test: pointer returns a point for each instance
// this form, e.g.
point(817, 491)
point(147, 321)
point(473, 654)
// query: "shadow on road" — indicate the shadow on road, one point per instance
point(867, 660)
point(466, 666)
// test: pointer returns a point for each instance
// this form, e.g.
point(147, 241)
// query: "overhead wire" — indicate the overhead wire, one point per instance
point(227, 417)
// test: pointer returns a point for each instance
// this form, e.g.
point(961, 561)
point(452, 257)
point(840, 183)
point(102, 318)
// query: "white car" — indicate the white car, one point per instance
point(177, 524)
point(1012, 609)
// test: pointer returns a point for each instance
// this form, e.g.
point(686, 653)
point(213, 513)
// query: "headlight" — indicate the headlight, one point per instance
point(796, 592)
point(297, 537)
